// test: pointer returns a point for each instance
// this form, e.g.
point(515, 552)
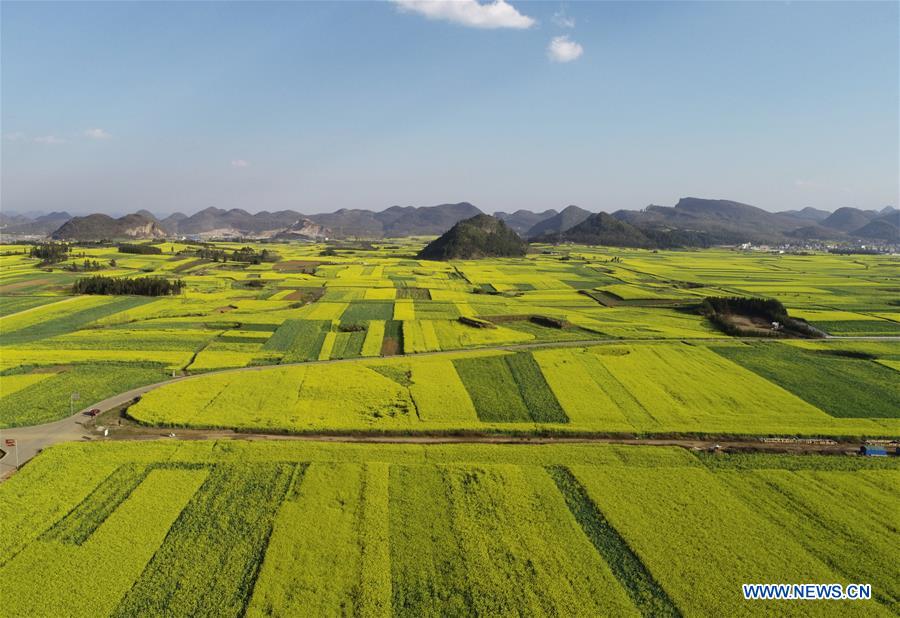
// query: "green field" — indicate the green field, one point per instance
point(670, 372)
point(841, 385)
point(636, 388)
point(35, 395)
point(570, 342)
point(437, 530)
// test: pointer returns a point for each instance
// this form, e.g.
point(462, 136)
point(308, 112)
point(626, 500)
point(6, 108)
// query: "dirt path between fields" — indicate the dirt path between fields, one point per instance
point(31, 440)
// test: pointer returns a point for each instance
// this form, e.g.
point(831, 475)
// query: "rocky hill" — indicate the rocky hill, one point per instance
point(523, 220)
point(234, 222)
point(170, 223)
point(886, 226)
point(569, 217)
point(808, 213)
point(601, 229)
point(39, 225)
point(304, 229)
point(101, 227)
point(478, 237)
point(396, 221)
point(351, 223)
point(848, 219)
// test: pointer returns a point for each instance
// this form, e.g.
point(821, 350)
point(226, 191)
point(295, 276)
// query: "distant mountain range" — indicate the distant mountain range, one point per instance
point(726, 222)
point(396, 221)
point(691, 222)
point(32, 224)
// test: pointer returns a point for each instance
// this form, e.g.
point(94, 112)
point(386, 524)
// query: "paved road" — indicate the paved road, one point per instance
point(31, 440)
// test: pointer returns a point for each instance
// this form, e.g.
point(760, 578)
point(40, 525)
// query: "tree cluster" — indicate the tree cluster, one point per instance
point(721, 310)
point(246, 255)
point(51, 252)
point(87, 266)
point(138, 286)
point(767, 308)
point(139, 249)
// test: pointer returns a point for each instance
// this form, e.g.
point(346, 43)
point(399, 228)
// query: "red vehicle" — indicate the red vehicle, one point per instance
point(93, 412)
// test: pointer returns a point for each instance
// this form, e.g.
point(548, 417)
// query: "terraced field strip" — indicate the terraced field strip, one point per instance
point(47, 577)
point(300, 340)
point(460, 535)
point(83, 520)
point(236, 502)
point(647, 595)
point(333, 529)
point(57, 318)
point(17, 306)
point(842, 385)
point(299, 574)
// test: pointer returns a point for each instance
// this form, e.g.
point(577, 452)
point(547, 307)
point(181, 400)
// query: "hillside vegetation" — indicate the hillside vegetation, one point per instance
point(479, 237)
point(98, 227)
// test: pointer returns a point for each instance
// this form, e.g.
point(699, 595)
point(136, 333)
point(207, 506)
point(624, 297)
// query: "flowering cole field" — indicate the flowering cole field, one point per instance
point(842, 384)
point(645, 388)
point(431, 530)
point(47, 398)
point(373, 300)
point(10, 305)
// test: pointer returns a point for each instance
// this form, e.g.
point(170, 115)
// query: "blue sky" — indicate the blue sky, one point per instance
point(316, 106)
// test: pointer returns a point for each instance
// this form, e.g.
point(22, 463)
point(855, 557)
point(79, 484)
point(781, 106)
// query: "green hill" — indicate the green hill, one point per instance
point(602, 229)
point(478, 237)
point(99, 227)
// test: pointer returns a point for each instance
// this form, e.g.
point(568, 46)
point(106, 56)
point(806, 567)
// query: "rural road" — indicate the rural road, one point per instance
point(31, 440)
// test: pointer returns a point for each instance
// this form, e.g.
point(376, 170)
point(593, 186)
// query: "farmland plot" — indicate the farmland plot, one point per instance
point(305, 306)
point(300, 340)
point(633, 388)
point(15, 304)
point(509, 388)
point(46, 397)
point(440, 529)
point(296, 399)
point(842, 385)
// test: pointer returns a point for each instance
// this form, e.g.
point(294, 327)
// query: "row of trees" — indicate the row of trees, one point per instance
point(139, 249)
point(138, 286)
point(766, 308)
point(244, 254)
point(86, 266)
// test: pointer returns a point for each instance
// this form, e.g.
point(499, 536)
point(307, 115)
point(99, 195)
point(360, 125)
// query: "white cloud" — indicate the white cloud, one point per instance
point(472, 13)
point(562, 49)
point(240, 163)
point(562, 20)
point(49, 139)
point(16, 136)
point(96, 134)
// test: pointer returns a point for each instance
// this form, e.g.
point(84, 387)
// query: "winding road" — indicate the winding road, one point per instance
point(31, 440)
